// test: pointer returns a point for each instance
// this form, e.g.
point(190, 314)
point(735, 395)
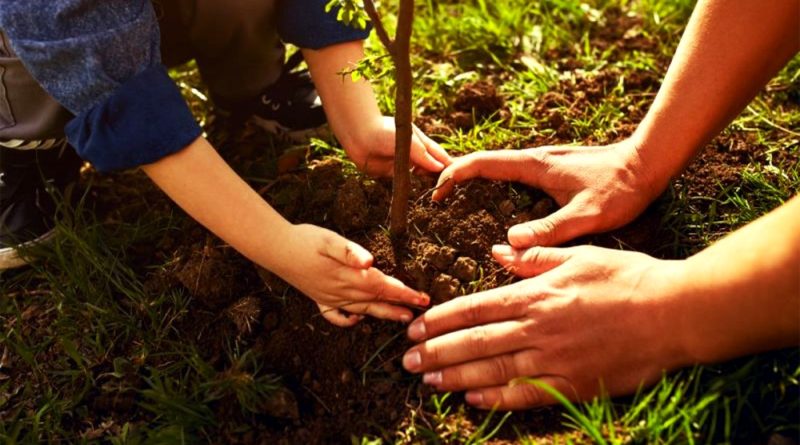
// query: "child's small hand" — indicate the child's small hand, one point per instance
point(375, 153)
point(338, 275)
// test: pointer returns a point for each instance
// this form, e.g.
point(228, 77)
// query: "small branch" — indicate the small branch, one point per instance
point(375, 18)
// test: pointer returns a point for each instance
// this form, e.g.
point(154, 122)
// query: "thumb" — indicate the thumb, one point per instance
point(561, 226)
point(433, 148)
point(346, 252)
point(336, 317)
point(528, 263)
point(421, 156)
point(503, 165)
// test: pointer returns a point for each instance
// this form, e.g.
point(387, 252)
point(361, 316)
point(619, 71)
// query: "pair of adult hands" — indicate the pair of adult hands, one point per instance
point(585, 320)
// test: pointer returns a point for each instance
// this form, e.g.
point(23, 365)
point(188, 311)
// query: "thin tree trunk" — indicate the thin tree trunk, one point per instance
point(403, 119)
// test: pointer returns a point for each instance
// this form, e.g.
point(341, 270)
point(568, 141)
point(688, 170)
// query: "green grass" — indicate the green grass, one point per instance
point(83, 323)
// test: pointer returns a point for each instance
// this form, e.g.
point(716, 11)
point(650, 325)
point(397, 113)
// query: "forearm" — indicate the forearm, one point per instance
point(727, 54)
point(202, 184)
point(350, 106)
point(742, 294)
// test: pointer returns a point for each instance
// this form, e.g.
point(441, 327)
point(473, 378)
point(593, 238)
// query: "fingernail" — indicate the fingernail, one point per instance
point(432, 378)
point(424, 300)
point(416, 331)
point(474, 398)
point(405, 318)
point(502, 250)
point(412, 360)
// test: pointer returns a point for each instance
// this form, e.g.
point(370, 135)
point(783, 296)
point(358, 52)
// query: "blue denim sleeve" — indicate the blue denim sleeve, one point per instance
point(101, 60)
point(306, 24)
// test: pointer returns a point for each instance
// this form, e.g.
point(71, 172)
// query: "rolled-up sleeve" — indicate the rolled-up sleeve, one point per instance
point(305, 23)
point(101, 61)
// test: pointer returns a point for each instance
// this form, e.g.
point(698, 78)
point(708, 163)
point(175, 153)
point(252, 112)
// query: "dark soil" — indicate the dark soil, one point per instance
point(349, 382)
point(343, 382)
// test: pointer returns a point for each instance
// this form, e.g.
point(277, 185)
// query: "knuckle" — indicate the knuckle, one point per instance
point(366, 308)
point(380, 294)
point(328, 241)
point(511, 302)
point(530, 395)
point(504, 369)
point(474, 311)
point(538, 155)
point(477, 340)
point(453, 379)
point(533, 255)
point(431, 357)
point(545, 230)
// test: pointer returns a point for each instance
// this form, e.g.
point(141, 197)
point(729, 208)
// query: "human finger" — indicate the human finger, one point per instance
point(486, 372)
point(384, 311)
point(420, 156)
point(337, 317)
point(506, 165)
point(502, 303)
point(374, 285)
point(434, 148)
point(470, 344)
point(524, 394)
point(345, 251)
point(565, 224)
point(530, 262)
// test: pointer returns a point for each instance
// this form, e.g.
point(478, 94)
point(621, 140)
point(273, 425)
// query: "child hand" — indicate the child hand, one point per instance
point(338, 275)
point(375, 153)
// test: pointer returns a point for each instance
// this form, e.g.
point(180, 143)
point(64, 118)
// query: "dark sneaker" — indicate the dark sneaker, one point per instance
point(289, 108)
point(28, 179)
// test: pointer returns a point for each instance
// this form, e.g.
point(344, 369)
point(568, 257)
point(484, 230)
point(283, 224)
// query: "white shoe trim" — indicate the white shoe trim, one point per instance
point(39, 144)
point(10, 258)
point(297, 136)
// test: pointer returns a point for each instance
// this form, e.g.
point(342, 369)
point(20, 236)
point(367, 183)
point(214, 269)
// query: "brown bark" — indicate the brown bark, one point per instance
point(403, 119)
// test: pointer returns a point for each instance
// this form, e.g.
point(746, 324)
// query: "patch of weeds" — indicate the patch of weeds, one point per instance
point(442, 424)
point(746, 398)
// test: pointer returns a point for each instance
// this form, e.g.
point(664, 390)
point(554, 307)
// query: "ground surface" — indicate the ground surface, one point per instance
point(138, 326)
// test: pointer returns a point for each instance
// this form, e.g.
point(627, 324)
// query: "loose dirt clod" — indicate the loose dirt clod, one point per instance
point(444, 287)
point(282, 404)
point(350, 209)
point(542, 208)
point(465, 269)
point(440, 257)
point(506, 207)
point(479, 99)
point(210, 276)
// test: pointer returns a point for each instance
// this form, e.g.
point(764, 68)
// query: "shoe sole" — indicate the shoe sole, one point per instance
point(10, 257)
point(297, 136)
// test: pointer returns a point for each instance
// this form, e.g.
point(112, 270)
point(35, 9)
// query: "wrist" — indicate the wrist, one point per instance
point(278, 253)
point(649, 176)
point(362, 135)
point(661, 160)
point(672, 315)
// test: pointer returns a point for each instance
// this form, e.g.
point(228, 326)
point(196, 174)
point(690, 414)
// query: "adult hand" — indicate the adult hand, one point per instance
point(338, 275)
point(374, 152)
point(598, 188)
point(590, 321)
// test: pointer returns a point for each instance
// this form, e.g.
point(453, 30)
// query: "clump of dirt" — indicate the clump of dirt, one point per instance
point(478, 98)
point(350, 208)
point(210, 275)
point(474, 102)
